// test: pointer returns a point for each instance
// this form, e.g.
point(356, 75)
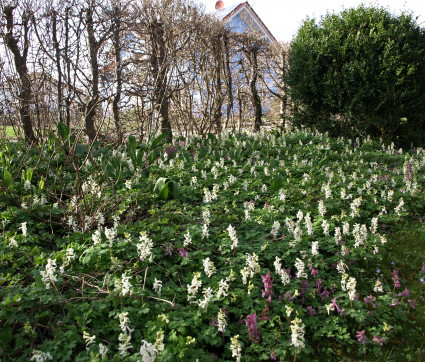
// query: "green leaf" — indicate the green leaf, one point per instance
point(277, 182)
point(160, 184)
point(7, 178)
point(163, 195)
point(63, 131)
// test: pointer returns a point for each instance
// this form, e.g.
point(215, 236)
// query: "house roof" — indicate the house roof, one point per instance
point(227, 13)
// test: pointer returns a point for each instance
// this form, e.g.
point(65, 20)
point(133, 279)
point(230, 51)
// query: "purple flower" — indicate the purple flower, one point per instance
point(423, 268)
point(273, 355)
point(412, 303)
point(370, 300)
point(404, 293)
point(381, 341)
point(360, 335)
point(311, 311)
point(314, 272)
point(396, 280)
point(268, 283)
point(183, 253)
point(168, 250)
point(395, 302)
point(251, 323)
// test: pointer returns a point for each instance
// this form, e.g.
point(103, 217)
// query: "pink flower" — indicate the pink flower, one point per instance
point(360, 335)
point(314, 272)
point(412, 303)
point(404, 293)
point(396, 280)
point(268, 283)
point(183, 253)
point(381, 341)
point(370, 300)
point(251, 323)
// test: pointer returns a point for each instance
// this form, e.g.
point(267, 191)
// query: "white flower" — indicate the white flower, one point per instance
point(96, 237)
point(399, 208)
point(378, 287)
point(341, 266)
point(288, 311)
point(157, 286)
point(159, 342)
point(27, 185)
point(128, 184)
point(207, 196)
point(110, 235)
point(145, 247)
point(208, 295)
point(126, 287)
point(205, 232)
point(206, 216)
point(24, 228)
point(232, 236)
point(124, 323)
point(147, 350)
point(325, 226)
point(209, 267)
point(351, 286)
point(103, 350)
point(223, 288)
point(187, 239)
point(88, 339)
point(280, 271)
point(69, 255)
point(235, 347)
point(322, 208)
point(308, 224)
point(125, 344)
point(192, 289)
point(346, 228)
point(222, 323)
point(300, 266)
point(13, 243)
point(275, 229)
point(252, 263)
point(39, 356)
point(48, 275)
point(315, 248)
point(297, 336)
point(337, 235)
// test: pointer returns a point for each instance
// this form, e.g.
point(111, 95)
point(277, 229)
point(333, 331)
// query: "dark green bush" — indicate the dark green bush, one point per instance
point(361, 72)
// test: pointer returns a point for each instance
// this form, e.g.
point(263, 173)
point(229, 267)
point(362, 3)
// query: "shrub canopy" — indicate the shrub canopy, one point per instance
point(361, 71)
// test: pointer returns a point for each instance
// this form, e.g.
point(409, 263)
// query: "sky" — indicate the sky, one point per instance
point(284, 17)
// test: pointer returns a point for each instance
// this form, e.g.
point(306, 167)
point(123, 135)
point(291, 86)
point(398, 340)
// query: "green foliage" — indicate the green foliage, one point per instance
point(361, 72)
point(89, 255)
point(166, 189)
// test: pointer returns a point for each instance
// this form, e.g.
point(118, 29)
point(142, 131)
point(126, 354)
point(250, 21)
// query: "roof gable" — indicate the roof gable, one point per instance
point(241, 17)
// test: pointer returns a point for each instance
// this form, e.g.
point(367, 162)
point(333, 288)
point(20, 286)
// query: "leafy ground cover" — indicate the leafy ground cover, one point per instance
point(272, 246)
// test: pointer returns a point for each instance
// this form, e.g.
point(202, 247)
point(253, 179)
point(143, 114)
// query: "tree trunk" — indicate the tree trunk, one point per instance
point(118, 71)
point(91, 106)
point(229, 77)
point(217, 114)
point(58, 65)
point(20, 60)
point(159, 72)
point(256, 100)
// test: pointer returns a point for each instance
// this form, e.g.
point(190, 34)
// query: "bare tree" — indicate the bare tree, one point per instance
point(18, 42)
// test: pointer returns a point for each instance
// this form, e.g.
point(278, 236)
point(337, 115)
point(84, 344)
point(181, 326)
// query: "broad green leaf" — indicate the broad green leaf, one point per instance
point(7, 178)
point(63, 130)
